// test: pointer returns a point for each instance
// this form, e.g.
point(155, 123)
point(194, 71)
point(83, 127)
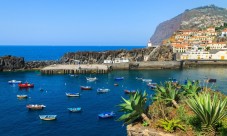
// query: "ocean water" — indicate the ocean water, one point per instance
point(31, 53)
point(17, 120)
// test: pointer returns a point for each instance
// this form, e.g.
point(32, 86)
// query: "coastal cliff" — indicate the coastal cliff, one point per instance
point(162, 53)
point(197, 18)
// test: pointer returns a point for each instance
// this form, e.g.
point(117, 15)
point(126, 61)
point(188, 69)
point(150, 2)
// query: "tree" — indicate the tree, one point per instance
point(134, 108)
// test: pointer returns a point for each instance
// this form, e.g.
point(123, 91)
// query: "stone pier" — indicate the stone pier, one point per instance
point(75, 69)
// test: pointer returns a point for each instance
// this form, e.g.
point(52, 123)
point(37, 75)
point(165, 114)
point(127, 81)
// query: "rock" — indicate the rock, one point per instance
point(164, 53)
point(138, 130)
point(9, 63)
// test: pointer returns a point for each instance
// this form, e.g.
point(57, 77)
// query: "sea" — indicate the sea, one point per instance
point(17, 120)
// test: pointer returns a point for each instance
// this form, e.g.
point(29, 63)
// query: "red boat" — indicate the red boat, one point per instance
point(25, 85)
point(85, 87)
point(130, 92)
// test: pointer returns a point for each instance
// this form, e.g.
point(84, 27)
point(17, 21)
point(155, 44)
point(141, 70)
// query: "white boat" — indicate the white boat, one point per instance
point(48, 117)
point(91, 79)
point(147, 80)
point(22, 96)
point(72, 94)
point(100, 90)
point(14, 82)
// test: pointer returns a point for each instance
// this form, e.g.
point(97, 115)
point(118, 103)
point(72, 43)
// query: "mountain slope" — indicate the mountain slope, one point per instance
point(197, 18)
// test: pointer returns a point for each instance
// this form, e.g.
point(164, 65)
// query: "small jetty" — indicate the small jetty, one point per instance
point(75, 69)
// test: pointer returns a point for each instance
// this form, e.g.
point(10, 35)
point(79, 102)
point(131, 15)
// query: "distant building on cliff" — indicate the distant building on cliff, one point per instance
point(116, 60)
point(149, 44)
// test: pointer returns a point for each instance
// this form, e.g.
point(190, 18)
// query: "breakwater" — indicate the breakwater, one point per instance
point(75, 69)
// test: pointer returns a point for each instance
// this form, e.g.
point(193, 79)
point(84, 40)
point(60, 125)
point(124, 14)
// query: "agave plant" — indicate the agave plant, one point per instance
point(191, 89)
point(210, 110)
point(170, 125)
point(168, 93)
point(134, 108)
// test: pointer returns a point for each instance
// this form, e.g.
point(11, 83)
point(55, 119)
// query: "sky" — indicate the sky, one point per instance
point(88, 22)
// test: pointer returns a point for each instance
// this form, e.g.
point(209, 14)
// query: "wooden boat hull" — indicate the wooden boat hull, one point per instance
point(35, 107)
point(85, 88)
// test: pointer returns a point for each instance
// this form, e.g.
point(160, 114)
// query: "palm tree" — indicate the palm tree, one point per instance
point(210, 110)
point(191, 89)
point(134, 108)
point(168, 93)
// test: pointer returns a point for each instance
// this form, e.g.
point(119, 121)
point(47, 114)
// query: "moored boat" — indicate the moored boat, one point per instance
point(85, 88)
point(147, 80)
point(22, 96)
point(115, 84)
point(119, 78)
point(48, 117)
point(14, 82)
point(25, 85)
point(78, 109)
point(91, 79)
point(35, 106)
point(129, 91)
point(212, 80)
point(106, 115)
point(139, 78)
point(100, 90)
point(72, 94)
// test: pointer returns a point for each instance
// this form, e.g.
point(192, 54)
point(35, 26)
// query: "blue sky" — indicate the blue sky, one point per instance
point(87, 22)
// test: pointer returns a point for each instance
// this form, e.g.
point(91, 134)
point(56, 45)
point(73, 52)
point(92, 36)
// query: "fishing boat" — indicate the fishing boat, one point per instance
point(147, 80)
point(99, 90)
point(129, 91)
point(119, 78)
point(22, 96)
point(35, 106)
point(72, 94)
point(78, 109)
point(85, 88)
point(212, 80)
point(14, 82)
point(106, 115)
point(139, 78)
point(48, 117)
point(91, 79)
point(73, 75)
point(115, 84)
point(25, 85)
point(152, 87)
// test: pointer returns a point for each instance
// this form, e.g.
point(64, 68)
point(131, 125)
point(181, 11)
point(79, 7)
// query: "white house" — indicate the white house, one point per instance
point(149, 44)
point(224, 33)
point(220, 45)
point(121, 60)
point(108, 61)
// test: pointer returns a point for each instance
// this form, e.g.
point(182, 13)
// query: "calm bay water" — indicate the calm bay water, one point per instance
point(17, 120)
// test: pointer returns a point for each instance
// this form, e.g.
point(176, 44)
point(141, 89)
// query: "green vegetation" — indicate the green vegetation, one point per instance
point(221, 27)
point(134, 108)
point(180, 109)
point(168, 93)
point(170, 125)
point(209, 110)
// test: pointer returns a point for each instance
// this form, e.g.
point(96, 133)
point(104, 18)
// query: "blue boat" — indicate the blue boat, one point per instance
point(99, 90)
point(78, 109)
point(106, 115)
point(119, 78)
